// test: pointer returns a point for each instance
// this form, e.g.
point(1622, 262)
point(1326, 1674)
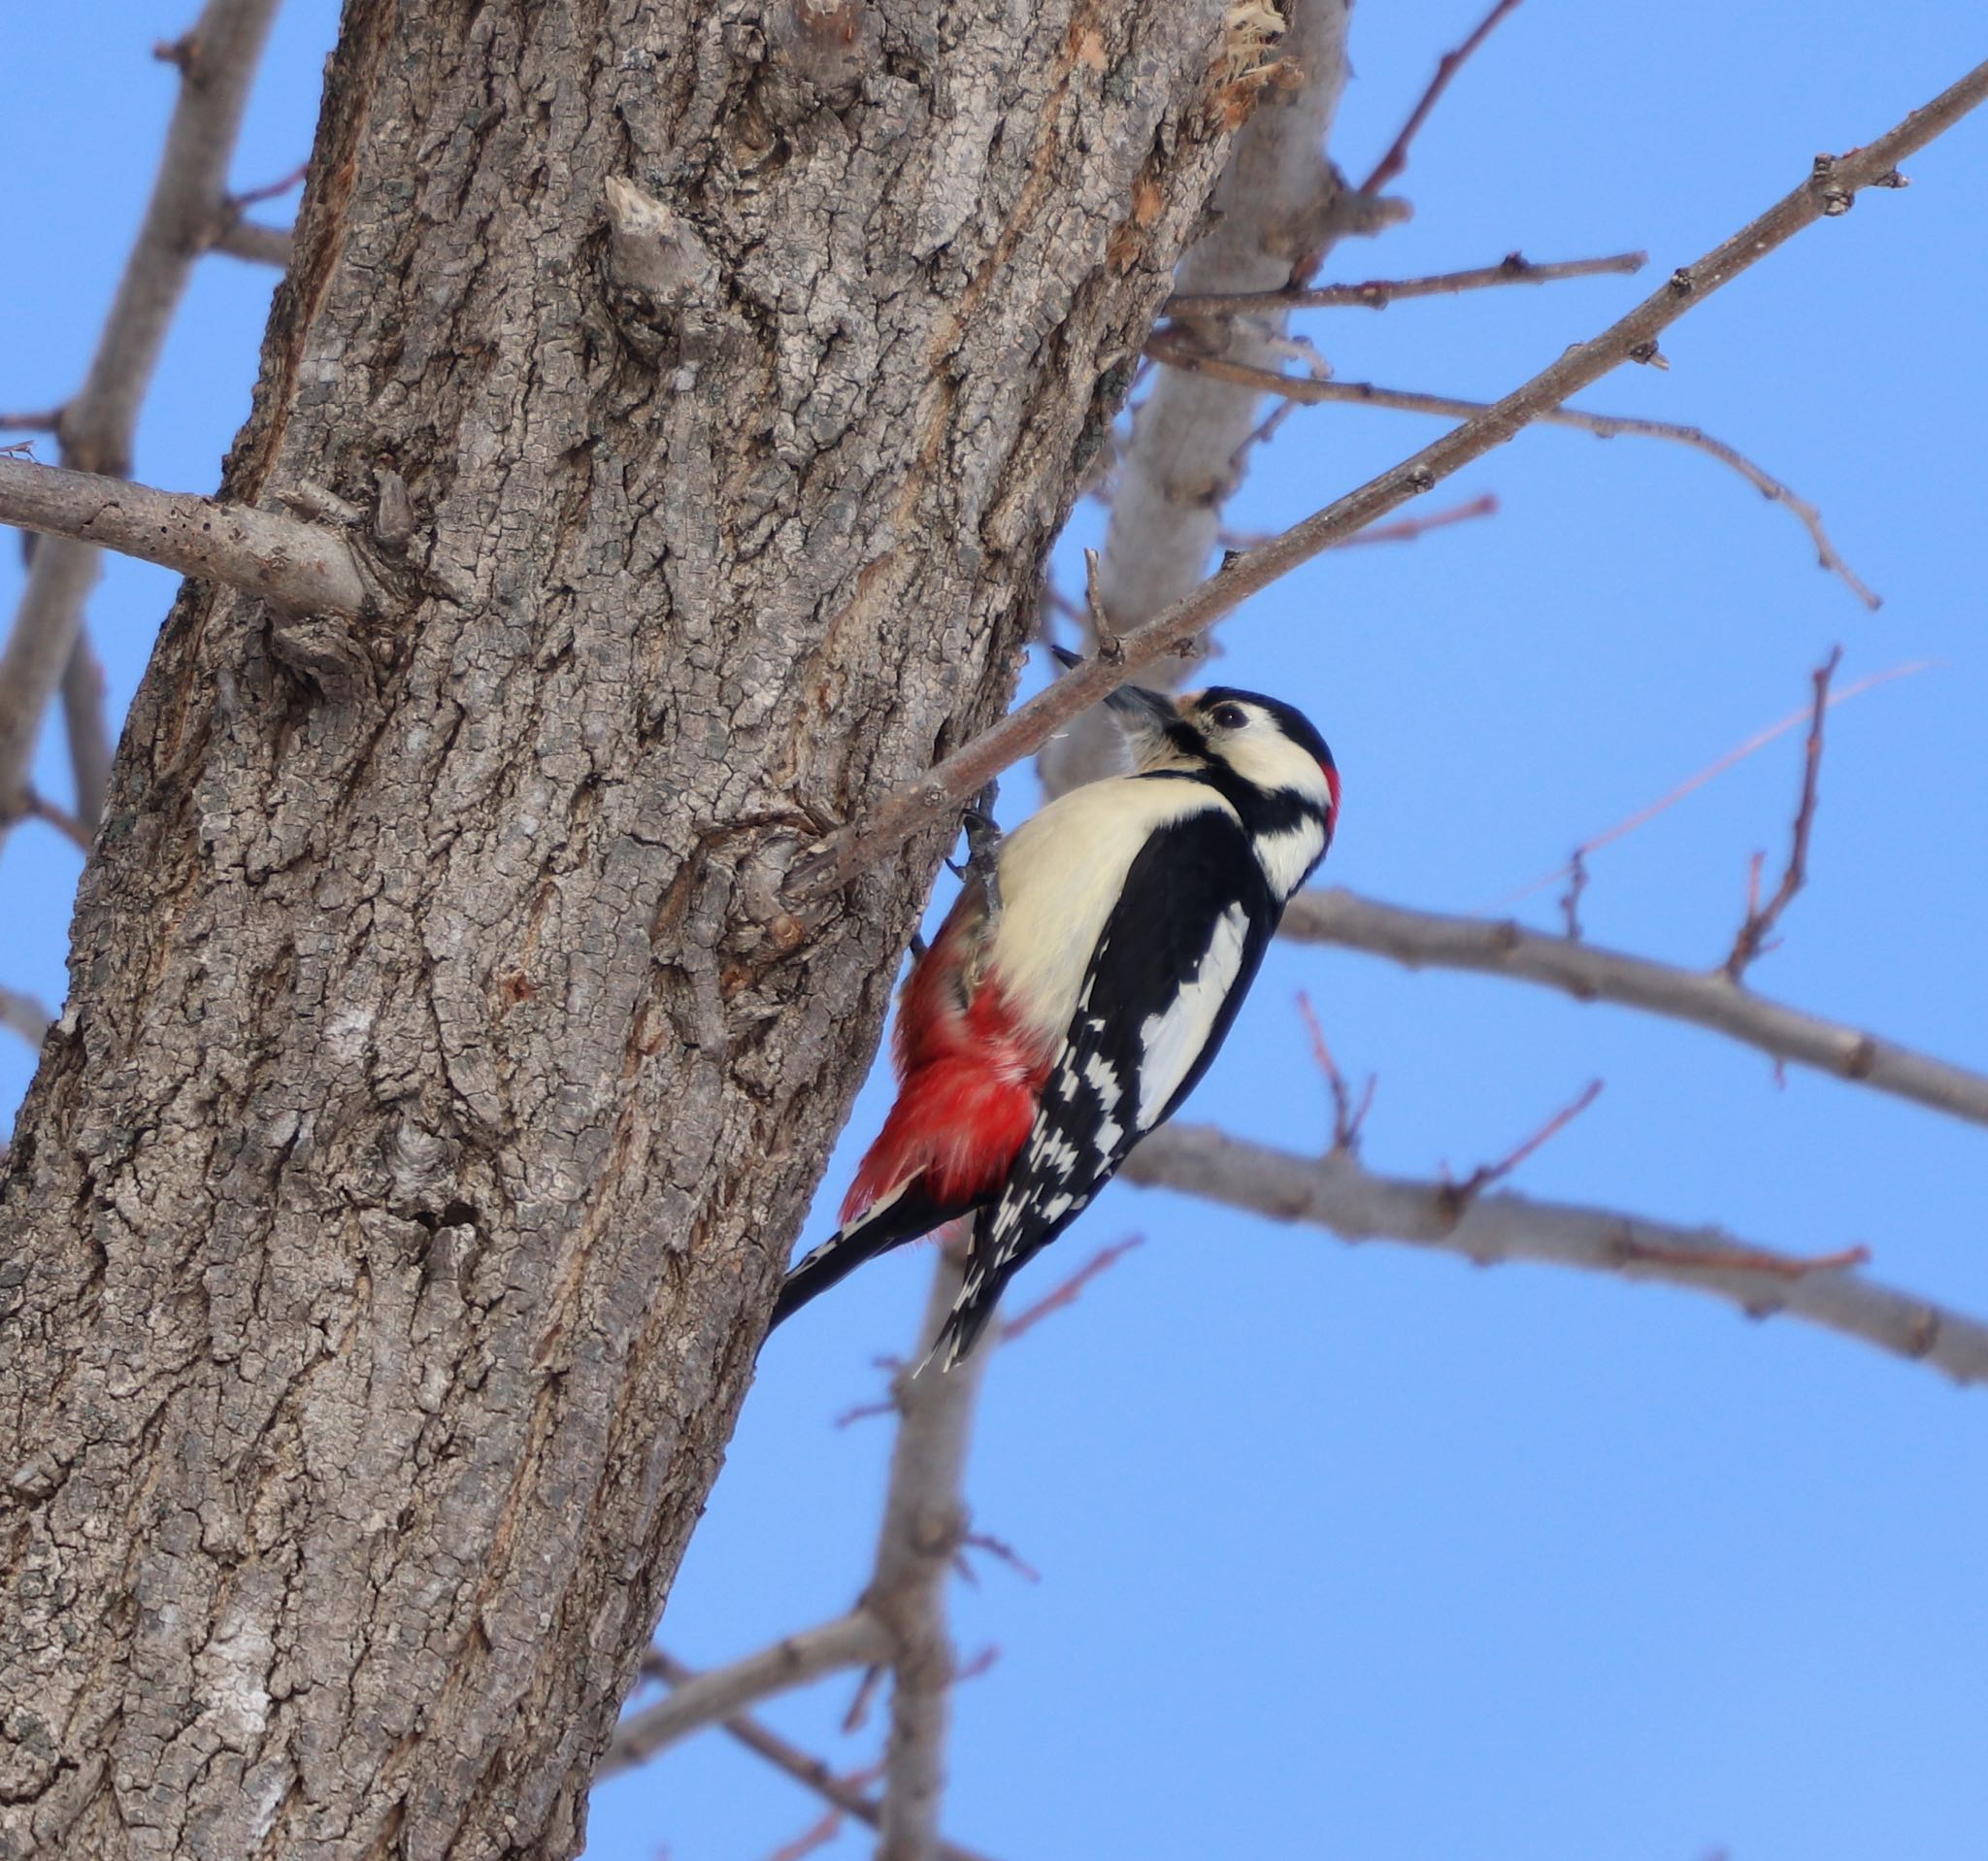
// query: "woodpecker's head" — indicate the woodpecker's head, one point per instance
point(1265, 756)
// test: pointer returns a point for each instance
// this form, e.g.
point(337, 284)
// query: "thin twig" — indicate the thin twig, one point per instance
point(1717, 767)
point(271, 189)
point(1171, 347)
point(810, 1771)
point(1337, 1194)
point(46, 420)
point(1411, 529)
point(1460, 1194)
point(819, 1834)
point(1761, 919)
point(1066, 1294)
point(1377, 293)
point(1590, 972)
point(1346, 1116)
point(1397, 158)
point(1833, 182)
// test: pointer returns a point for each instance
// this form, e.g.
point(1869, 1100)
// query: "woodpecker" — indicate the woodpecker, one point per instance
point(1080, 985)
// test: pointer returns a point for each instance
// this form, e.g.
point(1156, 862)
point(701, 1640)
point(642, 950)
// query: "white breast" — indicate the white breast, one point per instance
point(1062, 872)
point(1287, 855)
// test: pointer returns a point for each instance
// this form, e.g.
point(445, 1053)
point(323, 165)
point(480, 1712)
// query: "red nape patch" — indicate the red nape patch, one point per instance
point(958, 1122)
point(1332, 781)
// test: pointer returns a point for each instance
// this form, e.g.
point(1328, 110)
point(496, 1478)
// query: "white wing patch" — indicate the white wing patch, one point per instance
point(1170, 1041)
point(1287, 855)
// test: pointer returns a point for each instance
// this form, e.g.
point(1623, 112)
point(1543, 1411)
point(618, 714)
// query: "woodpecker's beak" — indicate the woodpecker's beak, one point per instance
point(1141, 713)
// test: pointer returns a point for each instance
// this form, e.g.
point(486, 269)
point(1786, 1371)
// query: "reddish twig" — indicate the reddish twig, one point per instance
point(1397, 158)
point(1458, 1195)
point(819, 1835)
point(1408, 529)
point(859, 1701)
point(1066, 1294)
point(1761, 919)
point(1758, 741)
point(1346, 1116)
point(1001, 1551)
point(269, 190)
point(1377, 293)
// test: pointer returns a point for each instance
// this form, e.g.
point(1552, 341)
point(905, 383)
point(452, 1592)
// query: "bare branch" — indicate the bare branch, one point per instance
point(1377, 293)
point(1832, 186)
point(807, 1770)
point(1337, 1194)
point(216, 61)
point(1169, 348)
point(23, 1014)
point(855, 1639)
point(1397, 158)
point(296, 565)
point(924, 1524)
point(1589, 973)
point(45, 420)
point(1761, 919)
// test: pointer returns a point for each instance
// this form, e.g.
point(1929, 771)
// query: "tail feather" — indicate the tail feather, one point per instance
point(904, 1214)
point(972, 1312)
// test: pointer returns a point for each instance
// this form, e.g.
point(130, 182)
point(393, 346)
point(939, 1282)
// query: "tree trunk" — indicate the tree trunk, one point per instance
point(392, 1223)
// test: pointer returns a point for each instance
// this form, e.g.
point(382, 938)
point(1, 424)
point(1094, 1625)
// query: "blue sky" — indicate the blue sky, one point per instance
point(1355, 1552)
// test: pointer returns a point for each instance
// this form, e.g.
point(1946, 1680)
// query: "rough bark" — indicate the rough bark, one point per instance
point(391, 1225)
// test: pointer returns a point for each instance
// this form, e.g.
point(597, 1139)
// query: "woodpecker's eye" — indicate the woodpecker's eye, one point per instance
point(1227, 716)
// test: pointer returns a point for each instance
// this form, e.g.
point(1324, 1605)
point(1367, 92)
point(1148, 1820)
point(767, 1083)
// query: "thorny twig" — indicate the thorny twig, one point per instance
point(1761, 919)
point(1377, 293)
point(1460, 1195)
point(1175, 348)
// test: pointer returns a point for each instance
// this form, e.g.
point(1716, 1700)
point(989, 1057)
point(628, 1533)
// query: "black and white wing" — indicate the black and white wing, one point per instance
point(1171, 968)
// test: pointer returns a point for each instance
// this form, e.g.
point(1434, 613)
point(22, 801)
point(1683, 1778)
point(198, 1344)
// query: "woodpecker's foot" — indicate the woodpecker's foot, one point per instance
point(983, 846)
